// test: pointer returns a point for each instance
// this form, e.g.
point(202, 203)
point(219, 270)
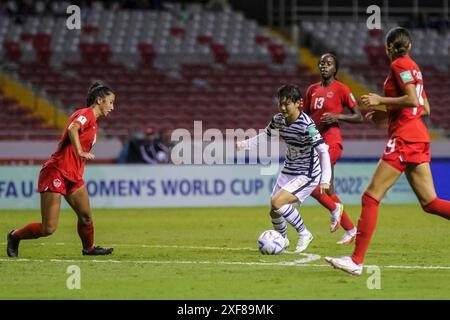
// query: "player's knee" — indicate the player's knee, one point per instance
point(85, 219)
point(275, 203)
point(274, 214)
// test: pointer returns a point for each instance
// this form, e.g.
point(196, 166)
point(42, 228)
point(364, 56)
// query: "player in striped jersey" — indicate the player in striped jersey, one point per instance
point(303, 170)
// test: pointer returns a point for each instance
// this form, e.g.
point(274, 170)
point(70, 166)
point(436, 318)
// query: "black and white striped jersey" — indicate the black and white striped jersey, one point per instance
point(301, 138)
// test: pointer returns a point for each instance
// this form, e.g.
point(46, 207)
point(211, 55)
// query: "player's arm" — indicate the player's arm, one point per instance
point(426, 111)
point(252, 142)
point(354, 117)
point(325, 164)
point(408, 100)
point(74, 136)
point(322, 149)
point(348, 100)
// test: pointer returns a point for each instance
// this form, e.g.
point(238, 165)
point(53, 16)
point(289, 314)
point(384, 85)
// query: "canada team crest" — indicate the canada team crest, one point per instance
point(57, 183)
point(330, 94)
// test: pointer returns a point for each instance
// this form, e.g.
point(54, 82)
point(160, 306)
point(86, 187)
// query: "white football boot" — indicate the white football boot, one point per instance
point(303, 241)
point(346, 264)
point(335, 217)
point(348, 237)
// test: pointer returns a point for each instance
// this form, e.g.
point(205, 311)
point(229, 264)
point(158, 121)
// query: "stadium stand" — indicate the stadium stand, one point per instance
point(170, 68)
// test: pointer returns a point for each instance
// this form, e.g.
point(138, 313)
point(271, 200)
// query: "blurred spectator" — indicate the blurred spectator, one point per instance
point(149, 149)
point(153, 150)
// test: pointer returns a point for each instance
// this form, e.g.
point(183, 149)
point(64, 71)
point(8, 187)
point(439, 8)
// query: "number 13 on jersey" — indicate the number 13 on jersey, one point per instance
point(318, 103)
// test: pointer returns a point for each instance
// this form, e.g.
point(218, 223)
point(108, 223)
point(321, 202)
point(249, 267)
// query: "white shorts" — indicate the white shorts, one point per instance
point(299, 186)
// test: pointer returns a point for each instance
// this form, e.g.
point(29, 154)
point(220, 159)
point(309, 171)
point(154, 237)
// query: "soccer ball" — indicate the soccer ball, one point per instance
point(271, 242)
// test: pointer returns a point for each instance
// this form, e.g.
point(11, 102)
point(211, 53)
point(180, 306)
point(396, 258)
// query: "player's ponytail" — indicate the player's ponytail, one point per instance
point(398, 41)
point(97, 89)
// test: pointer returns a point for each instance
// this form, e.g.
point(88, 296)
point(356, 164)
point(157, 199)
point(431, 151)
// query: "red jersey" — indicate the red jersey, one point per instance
point(405, 122)
point(66, 158)
point(330, 99)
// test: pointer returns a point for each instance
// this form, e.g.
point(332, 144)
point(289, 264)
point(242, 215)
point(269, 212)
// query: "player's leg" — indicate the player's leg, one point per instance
point(79, 201)
point(335, 154)
point(421, 180)
point(331, 201)
point(383, 179)
point(336, 208)
point(278, 221)
point(297, 189)
point(50, 209)
point(345, 221)
point(282, 207)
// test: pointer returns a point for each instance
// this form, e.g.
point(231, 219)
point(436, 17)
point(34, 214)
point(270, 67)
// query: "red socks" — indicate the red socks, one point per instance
point(439, 207)
point(366, 225)
point(30, 231)
point(329, 202)
point(86, 233)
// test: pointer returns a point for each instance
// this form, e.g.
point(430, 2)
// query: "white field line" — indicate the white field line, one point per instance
point(298, 262)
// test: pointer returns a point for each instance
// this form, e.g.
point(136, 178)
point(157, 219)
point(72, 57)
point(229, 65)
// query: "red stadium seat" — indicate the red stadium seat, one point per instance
point(147, 54)
point(13, 50)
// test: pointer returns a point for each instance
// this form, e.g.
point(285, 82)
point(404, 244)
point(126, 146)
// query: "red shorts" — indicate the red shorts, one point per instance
point(399, 153)
point(335, 152)
point(50, 179)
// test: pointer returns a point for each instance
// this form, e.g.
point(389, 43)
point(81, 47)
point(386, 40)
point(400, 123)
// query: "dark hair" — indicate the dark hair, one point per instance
point(398, 41)
point(336, 61)
point(289, 92)
point(98, 89)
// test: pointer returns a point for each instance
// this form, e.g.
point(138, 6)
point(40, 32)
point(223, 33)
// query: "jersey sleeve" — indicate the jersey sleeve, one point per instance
point(314, 136)
point(348, 99)
point(307, 102)
point(272, 128)
point(83, 119)
point(403, 74)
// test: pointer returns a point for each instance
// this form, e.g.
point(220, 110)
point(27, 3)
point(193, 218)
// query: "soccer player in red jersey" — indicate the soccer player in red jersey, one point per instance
point(408, 148)
point(325, 102)
point(62, 175)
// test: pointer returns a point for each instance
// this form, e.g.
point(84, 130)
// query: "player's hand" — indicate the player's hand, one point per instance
point(324, 187)
point(240, 145)
point(86, 155)
point(369, 116)
point(371, 100)
point(377, 117)
point(329, 118)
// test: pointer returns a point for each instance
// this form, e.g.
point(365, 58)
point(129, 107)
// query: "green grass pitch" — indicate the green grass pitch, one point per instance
point(210, 253)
